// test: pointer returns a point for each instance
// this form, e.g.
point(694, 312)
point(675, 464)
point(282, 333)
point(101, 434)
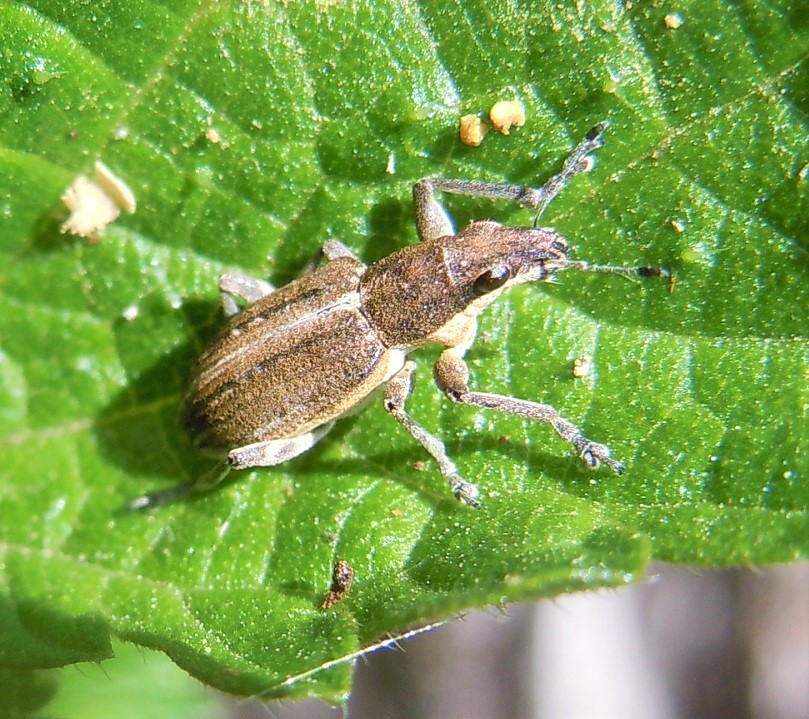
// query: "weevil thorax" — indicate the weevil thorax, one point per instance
point(409, 295)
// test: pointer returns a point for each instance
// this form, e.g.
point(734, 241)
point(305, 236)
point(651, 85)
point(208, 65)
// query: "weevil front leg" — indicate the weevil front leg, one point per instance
point(433, 221)
point(234, 285)
point(452, 377)
point(396, 394)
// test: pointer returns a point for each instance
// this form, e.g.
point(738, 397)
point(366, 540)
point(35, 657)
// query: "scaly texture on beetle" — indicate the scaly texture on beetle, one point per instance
point(294, 360)
point(279, 367)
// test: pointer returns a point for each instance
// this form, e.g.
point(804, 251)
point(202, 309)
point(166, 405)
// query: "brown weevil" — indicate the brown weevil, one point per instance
point(275, 379)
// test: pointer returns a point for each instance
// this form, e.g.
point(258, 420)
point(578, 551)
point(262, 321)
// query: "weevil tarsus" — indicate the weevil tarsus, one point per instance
point(212, 478)
point(579, 161)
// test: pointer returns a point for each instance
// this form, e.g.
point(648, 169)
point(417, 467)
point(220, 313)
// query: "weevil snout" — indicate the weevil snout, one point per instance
point(488, 250)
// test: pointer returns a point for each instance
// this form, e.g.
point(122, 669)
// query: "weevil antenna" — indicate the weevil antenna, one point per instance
point(629, 272)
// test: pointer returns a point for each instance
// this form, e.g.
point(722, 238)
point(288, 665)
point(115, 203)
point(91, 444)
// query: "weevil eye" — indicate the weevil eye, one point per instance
point(560, 246)
point(491, 280)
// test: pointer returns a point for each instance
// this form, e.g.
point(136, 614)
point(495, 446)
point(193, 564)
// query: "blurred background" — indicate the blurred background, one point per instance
point(685, 643)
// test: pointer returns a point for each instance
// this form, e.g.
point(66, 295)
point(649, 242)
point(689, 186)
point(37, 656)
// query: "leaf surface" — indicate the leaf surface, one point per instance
point(253, 132)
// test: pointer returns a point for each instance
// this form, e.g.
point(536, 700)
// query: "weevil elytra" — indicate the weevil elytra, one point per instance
point(275, 379)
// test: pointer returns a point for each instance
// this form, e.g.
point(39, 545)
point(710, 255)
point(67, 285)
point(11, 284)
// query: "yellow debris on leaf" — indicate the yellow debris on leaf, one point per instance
point(96, 203)
point(507, 114)
point(582, 366)
point(472, 130)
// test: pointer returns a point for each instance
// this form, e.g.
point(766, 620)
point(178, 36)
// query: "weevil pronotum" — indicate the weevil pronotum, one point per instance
point(275, 379)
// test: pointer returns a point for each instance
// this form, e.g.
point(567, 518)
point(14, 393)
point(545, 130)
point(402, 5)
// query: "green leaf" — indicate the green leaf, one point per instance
point(138, 682)
point(325, 115)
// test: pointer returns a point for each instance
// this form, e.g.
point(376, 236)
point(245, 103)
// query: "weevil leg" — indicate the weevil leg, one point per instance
point(249, 289)
point(396, 394)
point(580, 160)
point(433, 221)
point(275, 451)
point(261, 454)
point(166, 496)
point(452, 376)
point(334, 249)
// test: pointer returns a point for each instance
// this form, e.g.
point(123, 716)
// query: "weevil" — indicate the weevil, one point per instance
point(279, 374)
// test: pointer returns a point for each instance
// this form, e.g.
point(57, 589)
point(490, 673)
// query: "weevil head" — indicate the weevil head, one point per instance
point(411, 294)
point(488, 257)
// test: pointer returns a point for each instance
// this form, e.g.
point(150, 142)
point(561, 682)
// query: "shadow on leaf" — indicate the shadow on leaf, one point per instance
point(139, 430)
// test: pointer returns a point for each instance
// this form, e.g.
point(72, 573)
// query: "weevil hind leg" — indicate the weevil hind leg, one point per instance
point(452, 376)
point(275, 451)
point(234, 285)
point(396, 394)
point(204, 484)
point(261, 454)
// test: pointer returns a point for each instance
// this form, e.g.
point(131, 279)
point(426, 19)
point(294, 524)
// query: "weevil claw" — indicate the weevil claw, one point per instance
point(594, 135)
point(594, 454)
point(465, 492)
point(141, 502)
point(160, 498)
